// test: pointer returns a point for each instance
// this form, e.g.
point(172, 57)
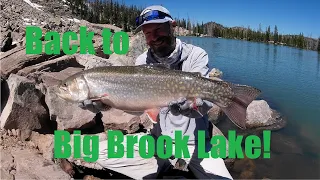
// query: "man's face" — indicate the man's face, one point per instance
point(159, 37)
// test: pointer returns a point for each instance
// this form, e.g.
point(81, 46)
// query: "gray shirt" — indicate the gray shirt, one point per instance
point(185, 57)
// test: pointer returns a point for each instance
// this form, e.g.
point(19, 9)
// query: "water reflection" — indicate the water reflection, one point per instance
point(318, 65)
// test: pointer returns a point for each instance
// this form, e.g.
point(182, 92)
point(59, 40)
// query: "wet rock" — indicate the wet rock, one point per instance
point(115, 119)
point(26, 161)
point(215, 73)
point(283, 144)
point(246, 167)
point(259, 114)
point(67, 115)
point(25, 108)
point(229, 162)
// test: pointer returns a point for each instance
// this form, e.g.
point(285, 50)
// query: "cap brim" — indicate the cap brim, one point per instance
point(150, 22)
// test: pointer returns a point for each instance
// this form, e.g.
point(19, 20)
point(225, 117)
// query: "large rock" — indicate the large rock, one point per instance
point(31, 165)
point(115, 119)
point(6, 165)
point(5, 41)
point(54, 65)
point(137, 46)
point(259, 114)
point(90, 61)
point(67, 115)
point(45, 143)
point(25, 107)
point(53, 78)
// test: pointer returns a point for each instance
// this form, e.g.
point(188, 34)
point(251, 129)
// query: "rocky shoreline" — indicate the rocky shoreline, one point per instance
point(30, 111)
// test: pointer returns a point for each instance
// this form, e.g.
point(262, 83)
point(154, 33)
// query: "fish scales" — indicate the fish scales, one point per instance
point(138, 88)
point(129, 87)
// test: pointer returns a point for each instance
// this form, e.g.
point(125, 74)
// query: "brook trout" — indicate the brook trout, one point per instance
point(148, 87)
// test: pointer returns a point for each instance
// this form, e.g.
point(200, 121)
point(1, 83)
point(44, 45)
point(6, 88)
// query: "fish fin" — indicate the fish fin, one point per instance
point(237, 110)
point(153, 114)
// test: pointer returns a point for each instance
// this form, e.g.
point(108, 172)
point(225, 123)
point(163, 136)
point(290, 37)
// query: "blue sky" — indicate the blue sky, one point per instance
point(290, 16)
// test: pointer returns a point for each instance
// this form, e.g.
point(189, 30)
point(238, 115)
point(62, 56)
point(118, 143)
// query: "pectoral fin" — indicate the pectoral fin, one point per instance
point(153, 114)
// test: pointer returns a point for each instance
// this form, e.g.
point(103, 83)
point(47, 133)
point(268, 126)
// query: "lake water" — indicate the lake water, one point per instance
point(290, 82)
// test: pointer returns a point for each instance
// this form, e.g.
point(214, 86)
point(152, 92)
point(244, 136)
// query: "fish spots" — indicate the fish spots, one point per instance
point(183, 88)
point(215, 97)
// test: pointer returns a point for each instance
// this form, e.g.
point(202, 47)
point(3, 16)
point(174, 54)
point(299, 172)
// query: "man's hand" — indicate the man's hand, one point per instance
point(93, 106)
point(194, 109)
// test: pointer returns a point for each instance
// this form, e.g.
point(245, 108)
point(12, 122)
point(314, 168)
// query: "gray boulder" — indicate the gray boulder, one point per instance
point(25, 107)
point(67, 115)
point(259, 114)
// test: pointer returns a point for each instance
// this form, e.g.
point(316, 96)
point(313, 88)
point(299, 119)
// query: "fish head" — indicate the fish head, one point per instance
point(73, 89)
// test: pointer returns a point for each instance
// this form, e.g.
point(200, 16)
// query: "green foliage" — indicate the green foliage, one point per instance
point(106, 12)
point(121, 15)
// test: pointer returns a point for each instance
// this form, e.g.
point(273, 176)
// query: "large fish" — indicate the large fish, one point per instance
point(147, 87)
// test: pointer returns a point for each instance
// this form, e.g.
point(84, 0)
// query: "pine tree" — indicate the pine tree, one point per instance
point(319, 44)
point(276, 36)
point(267, 35)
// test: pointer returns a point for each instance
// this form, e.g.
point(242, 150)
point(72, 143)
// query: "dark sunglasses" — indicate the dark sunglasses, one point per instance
point(151, 15)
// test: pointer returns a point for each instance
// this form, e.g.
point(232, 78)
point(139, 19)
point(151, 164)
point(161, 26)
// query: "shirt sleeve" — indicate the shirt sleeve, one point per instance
point(200, 62)
point(141, 59)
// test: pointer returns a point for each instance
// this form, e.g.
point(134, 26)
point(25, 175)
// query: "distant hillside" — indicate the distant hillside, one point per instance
point(214, 29)
point(123, 16)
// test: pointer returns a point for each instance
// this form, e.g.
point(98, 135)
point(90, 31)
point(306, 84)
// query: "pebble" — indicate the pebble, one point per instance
point(31, 144)
point(13, 172)
point(9, 132)
point(18, 132)
point(14, 132)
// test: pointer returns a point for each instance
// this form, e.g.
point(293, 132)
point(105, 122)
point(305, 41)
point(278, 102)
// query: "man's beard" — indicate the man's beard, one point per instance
point(167, 46)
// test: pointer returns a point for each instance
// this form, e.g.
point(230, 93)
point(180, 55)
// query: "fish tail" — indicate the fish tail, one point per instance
point(236, 110)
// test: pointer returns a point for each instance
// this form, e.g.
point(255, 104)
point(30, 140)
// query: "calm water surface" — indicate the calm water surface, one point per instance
point(290, 82)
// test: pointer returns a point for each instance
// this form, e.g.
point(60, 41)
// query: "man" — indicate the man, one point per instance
point(165, 49)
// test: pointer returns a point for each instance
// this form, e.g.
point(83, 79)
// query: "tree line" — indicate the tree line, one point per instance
point(123, 16)
point(106, 12)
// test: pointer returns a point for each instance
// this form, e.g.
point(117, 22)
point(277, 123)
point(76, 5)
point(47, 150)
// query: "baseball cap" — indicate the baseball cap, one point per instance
point(152, 14)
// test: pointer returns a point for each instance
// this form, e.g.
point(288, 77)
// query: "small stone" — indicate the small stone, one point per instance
point(13, 172)
point(9, 132)
point(14, 132)
point(31, 144)
point(18, 132)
